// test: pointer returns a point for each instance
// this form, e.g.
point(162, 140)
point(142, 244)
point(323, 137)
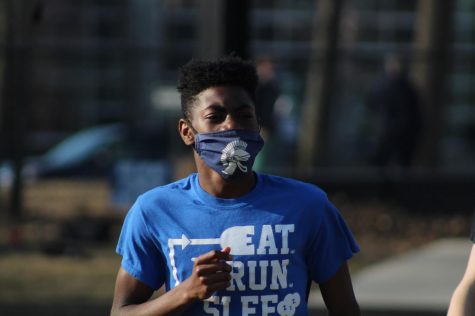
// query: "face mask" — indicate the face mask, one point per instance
point(230, 153)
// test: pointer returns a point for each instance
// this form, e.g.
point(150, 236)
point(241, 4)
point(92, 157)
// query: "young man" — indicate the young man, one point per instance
point(463, 298)
point(228, 241)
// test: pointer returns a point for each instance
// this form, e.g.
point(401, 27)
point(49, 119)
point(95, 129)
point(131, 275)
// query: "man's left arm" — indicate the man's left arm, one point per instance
point(337, 292)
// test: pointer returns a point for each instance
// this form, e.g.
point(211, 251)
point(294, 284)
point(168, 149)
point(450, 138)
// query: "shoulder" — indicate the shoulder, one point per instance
point(166, 193)
point(293, 187)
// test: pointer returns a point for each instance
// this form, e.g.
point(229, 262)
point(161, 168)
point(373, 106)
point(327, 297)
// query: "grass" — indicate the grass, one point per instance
point(37, 278)
point(29, 275)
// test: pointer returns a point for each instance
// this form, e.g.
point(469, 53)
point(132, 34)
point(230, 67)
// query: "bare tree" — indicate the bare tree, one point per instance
point(223, 28)
point(21, 19)
point(313, 136)
point(432, 43)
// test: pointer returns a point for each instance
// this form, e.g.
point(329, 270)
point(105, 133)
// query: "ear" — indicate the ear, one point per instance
point(186, 133)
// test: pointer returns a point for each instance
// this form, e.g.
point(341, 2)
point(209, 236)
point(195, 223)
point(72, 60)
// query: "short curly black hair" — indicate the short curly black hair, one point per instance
point(198, 75)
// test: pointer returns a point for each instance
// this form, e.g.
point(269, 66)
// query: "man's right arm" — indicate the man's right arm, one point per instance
point(210, 273)
point(131, 297)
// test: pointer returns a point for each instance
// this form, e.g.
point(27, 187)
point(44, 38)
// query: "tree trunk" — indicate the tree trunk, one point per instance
point(313, 136)
point(431, 63)
point(223, 28)
point(210, 31)
point(236, 21)
point(22, 15)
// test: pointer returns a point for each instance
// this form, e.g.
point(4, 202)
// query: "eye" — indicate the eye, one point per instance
point(247, 115)
point(214, 117)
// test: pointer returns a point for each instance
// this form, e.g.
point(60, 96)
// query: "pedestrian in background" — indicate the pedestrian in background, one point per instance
point(394, 101)
point(463, 298)
point(267, 93)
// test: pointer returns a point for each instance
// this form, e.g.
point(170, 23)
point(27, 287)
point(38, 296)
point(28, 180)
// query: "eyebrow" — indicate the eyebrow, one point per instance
point(245, 106)
point(214, 106)
point(219, 107)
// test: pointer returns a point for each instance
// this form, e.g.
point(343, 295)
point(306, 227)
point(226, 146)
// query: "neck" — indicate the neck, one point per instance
point(217, 186)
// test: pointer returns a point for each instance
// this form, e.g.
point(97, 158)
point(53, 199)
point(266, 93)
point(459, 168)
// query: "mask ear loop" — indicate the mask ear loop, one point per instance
point(188, 122)
point(193, 130)
point(259, 125)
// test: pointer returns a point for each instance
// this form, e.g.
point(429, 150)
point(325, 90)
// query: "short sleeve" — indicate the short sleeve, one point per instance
point(332, 244)
point(141, 258)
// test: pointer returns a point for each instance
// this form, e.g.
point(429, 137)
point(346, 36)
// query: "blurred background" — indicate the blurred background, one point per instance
point(374, 101)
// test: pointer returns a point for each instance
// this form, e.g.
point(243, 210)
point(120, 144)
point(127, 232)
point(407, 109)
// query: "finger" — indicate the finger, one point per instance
point(218, 277)
point(206, 269)
point(218, 286)
point(213, 255)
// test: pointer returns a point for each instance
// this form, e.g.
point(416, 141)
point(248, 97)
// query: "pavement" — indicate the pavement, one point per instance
point(420, 282)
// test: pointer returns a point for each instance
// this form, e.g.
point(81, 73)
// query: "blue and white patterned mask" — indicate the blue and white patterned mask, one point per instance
point(230, 153)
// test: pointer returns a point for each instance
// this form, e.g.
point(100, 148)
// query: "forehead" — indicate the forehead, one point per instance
point(225, 96)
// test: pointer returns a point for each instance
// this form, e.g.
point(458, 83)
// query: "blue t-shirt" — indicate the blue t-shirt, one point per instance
point(282, 234)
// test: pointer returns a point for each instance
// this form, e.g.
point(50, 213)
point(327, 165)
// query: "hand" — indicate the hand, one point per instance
point(211, 273)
